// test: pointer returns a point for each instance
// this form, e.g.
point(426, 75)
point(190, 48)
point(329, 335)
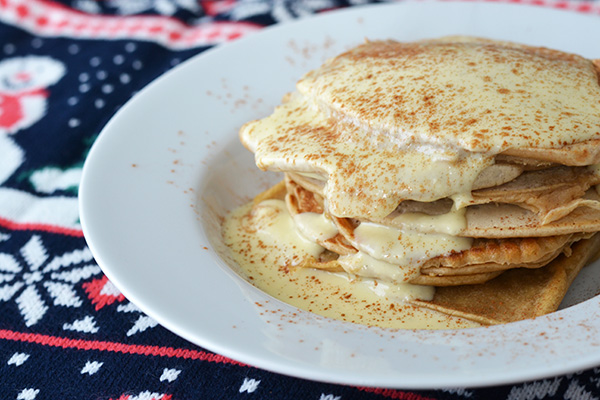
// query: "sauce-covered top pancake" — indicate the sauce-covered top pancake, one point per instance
point(390, 121)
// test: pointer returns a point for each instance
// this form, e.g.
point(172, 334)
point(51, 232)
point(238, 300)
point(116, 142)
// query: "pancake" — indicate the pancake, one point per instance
point(472, 93)
point(479, 262)
point(441, 163)
point(518, 294)
point(550, 193)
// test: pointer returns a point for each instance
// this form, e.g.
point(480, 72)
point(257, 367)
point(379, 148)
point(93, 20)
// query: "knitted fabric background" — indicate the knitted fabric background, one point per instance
point(66, 332)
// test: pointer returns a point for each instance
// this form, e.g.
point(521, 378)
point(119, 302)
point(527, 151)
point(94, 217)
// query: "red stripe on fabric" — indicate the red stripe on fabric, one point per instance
point(52, 19)
point(394, 394)
point(25, 226)
point(82, 344)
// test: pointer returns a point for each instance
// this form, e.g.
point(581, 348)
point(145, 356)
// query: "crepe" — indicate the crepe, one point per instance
point(549, 194)
point(442, 163)
point(481, 262)
point(517, 294)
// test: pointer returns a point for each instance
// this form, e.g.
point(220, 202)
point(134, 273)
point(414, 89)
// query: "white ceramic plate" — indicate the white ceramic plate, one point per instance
point(168, 167)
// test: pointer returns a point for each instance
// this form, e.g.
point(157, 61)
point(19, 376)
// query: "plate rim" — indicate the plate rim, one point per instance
point(298, 372)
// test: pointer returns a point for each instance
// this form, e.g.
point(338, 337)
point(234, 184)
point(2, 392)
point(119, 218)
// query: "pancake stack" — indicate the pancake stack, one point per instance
point(466, 164)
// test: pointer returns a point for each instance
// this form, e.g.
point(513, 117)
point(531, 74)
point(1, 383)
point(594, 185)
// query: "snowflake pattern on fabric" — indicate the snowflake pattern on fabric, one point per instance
point(66, 332)
point(35, 276)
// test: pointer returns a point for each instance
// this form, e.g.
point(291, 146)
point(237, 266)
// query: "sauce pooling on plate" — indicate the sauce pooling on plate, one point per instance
point(267, 247)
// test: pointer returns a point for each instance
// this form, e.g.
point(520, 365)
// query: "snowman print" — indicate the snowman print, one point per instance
point(24, 83)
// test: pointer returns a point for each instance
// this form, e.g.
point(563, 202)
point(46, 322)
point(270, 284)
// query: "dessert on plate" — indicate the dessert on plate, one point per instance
point(458, 175)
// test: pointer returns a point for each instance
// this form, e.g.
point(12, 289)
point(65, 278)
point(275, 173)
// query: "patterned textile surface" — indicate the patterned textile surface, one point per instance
point(65, 331)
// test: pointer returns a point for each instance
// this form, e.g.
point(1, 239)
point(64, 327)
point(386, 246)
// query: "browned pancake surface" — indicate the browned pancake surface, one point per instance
point(517, 294)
